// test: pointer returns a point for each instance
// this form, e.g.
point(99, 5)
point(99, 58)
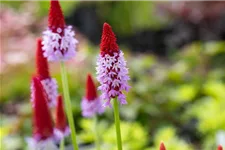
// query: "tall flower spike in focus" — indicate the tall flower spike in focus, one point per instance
point(59, 43)
point(162, 146)
point(49, 84)
point(42, 122)
point(91, 104)
point(220, 147)
point(61, 127)
point(111, 68)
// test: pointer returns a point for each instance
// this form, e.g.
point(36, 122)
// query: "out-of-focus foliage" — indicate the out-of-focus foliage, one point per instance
point(42, 7)
point(135, 20)
point(130, 132)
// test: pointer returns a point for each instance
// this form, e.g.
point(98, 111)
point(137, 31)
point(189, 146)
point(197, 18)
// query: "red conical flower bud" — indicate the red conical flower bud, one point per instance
point(43, 125)
point(41, 62)
point(162, 146)
point(91, 93)
point(56, 18)
point(220, 147)
point(108, 41)
point(61, 122)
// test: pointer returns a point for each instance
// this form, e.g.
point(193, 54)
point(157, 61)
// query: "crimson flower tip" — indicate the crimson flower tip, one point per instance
point(91, 93)
point(41, 62)
point(56, 18)
point(61, 127)
point(220, 147)
point(61, 122)
point(162, 146)
point(108, 41)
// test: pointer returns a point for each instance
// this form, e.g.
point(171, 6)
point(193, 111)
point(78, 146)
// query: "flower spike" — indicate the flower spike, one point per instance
point(91, 104)
point(59, 43)
point(49, 84)
point(42, 121)
point(162, 146)
point(61, 127)
point(43, 125)
point(220, 147)
point(111, 68)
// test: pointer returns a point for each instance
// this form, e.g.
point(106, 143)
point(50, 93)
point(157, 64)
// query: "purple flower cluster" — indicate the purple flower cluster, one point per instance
point(113, 76)
point(58, 46)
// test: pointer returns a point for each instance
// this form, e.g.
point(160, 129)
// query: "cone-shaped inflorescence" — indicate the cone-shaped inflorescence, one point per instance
point(43, 125)
point(61, 127)
point(91, 104)
point(111, 68)
point(162, 146)
point(43, 137)
point(220, 147)
point(59, 43)
point(49, 84)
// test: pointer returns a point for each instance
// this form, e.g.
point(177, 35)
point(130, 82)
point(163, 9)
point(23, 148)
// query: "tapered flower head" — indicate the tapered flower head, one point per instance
point(91, 104)
point(220, 147)
point(162, 146)
point(42, 121)
point(49, 84)
point(61, 127)
point(111, 68)
point(43, 137)
point(59, 43)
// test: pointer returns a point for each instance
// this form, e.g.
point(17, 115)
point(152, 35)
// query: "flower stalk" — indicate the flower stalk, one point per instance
point(62, 144)
point(117, 123)
point(97, 137)
point(68, 105)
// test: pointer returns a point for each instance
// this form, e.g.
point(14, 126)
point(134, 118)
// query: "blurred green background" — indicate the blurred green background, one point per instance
point(178, 98)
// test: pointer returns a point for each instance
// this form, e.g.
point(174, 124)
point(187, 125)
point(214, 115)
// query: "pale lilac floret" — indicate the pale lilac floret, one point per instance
point(58, 134)
point(47, 144)
point(51, 90)
point(91, 108)
point(57, 47)
point(113, 77)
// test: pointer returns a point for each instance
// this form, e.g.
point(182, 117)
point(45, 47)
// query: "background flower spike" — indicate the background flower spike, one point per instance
point(61, 127)
point(42, 121)
point(220, 147)
point(162, 146)
point(42, 69)
point(91, 104)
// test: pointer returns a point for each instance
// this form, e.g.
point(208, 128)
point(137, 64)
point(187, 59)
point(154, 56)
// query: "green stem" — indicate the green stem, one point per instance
point(117, 123)
point(97, 138)
point(68, 105)
point(62, 146)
